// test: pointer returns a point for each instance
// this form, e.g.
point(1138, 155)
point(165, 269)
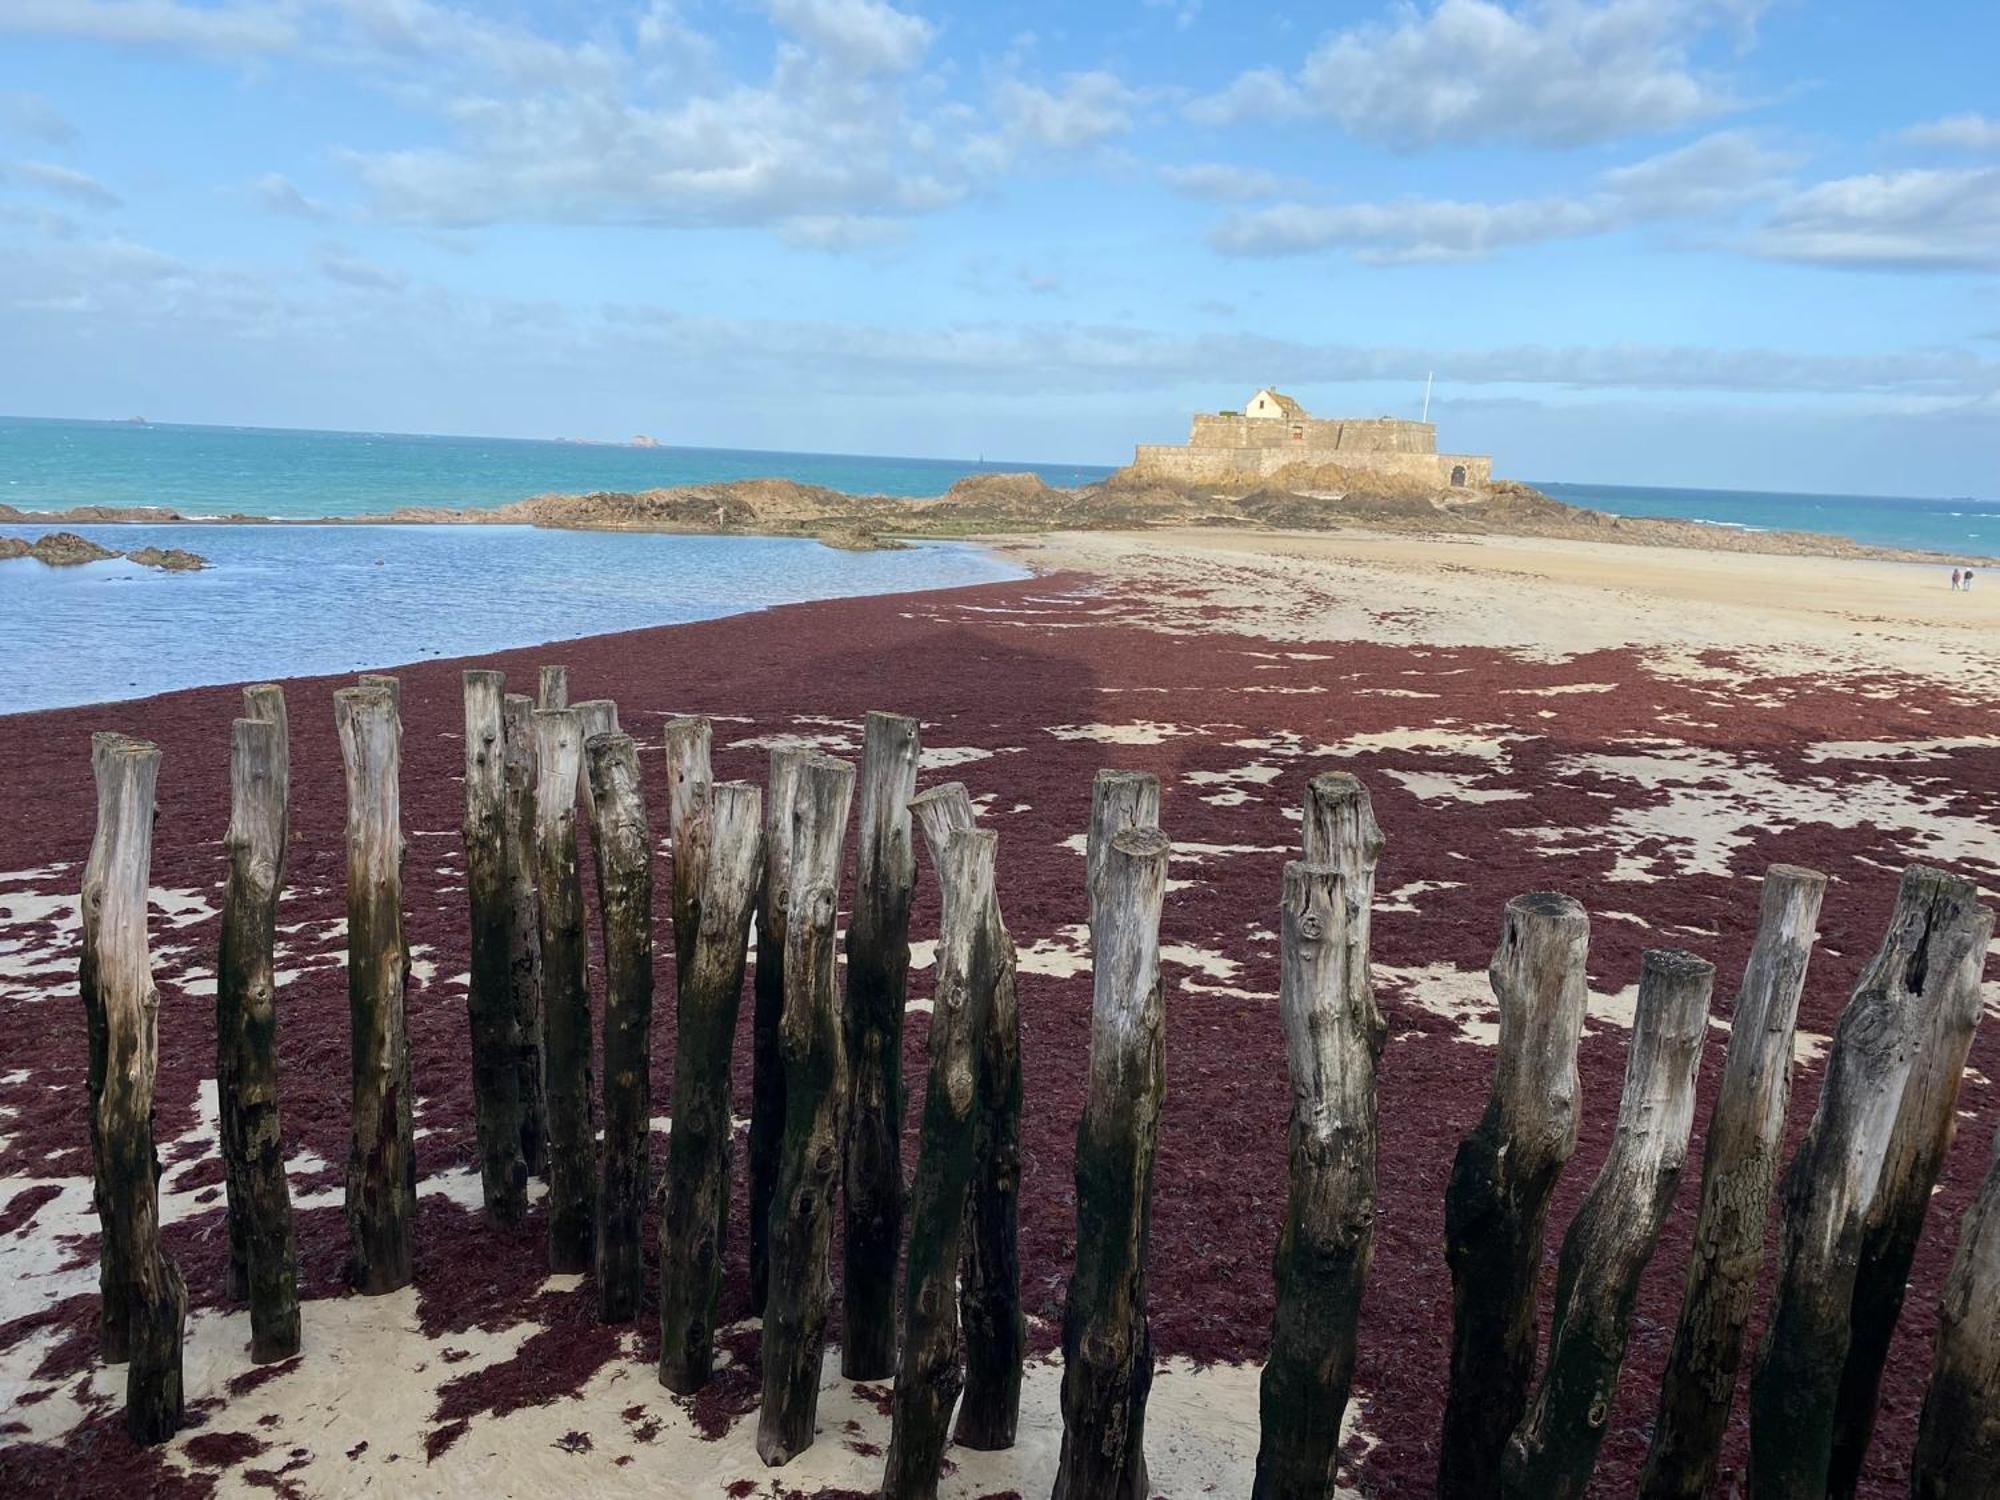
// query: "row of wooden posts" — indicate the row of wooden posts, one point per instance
point(827, 1109)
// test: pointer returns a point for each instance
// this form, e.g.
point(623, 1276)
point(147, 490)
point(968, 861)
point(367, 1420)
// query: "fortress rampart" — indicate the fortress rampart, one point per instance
point(1274, 433)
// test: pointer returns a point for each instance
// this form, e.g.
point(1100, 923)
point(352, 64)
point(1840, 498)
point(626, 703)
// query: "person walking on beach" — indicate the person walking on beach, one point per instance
point(1954, 580)
point(1968, 581)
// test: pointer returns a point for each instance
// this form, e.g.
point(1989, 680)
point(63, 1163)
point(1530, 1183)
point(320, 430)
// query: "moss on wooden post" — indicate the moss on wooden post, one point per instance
point(524, 929)
point(1107, 1343)
point(810, 1042)
point(381, 1163)
point(1497, 1206)
point(878, 971)
point(490, 1003)
point(767, 1068)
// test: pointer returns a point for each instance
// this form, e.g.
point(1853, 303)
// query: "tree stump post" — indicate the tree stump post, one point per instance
point(625, 879)
point(767, 1067)
point(524, 929)
point(114, 1268)
point(1890, 1067)
point(154, 1294)
point(1552, 1453)
point(1323, 1254)
point(1958, 1435)
point(811, 1043)
point(393, 686)
point(927, 1374)
point(1739, 1168)
point(246, 1024)
point(694, 1211)
point(690, 828)
point(1107, 1343)
point(490, 1004)
point(381, 1162)
point(595, 716)
point(1340, 831)
point(1496, 1208)
point(878, 974)
point(552, 688)
point(989, 1296)
point(572, 1145)
point(1118, 800)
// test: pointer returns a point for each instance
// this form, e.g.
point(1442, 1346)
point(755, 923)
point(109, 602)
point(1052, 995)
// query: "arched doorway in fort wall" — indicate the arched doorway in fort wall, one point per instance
point(1458, 476)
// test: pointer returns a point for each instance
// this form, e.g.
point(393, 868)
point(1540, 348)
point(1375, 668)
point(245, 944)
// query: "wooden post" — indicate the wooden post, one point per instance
point(625, 880)
point(694, 1211)
point(393, 686)
point(572, 1145)
point(381, 1162)
point(878, 973)
point(1889, 1069)
point(265, 702)
point(524, 929)
point(989, 1295)
point(1107, 1344)
point(767, 1075)
point(927, 1375)
point(552, 688)
point(1340, 831)
point(114, 1267)
point(1497, 1206)
point(595, 716)
point(1118, 800)
point(1611, 1239)
point(246, 1024)
point(490, 1006)
point(810, 1041)
point(1329, 1233)
point(1739, 1168)
point(1958, 1436)
point(155, 1296)
point(690, 828)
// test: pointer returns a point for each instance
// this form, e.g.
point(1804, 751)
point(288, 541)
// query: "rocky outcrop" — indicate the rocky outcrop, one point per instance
point(65, 549)
point(168, 559)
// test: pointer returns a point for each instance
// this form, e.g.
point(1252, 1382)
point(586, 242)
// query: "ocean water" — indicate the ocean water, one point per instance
point(285, 601)
point(1958, 527)
point(260, 471)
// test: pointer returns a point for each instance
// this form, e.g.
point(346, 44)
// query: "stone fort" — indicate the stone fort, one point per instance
point(1273, 433)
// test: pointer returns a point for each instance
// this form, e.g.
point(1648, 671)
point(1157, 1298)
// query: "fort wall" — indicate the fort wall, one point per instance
point(1196, 464)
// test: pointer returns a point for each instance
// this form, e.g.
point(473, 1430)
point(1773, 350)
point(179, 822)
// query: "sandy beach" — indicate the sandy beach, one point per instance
point(1646, 728)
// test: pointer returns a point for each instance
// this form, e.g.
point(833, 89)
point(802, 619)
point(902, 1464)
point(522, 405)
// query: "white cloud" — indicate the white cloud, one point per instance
point(337, 263)
point(281, 195)
point(864, 35)
point(1085, 109)
point(1222, 182)
point(1712, 177)
point(1922, 220)
point(222, 30)
point(1967, 132)
point(34, 117)
point(78, 187)
point(1547, 72)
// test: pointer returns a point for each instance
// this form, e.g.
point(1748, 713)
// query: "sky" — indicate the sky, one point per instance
point(1728, 243)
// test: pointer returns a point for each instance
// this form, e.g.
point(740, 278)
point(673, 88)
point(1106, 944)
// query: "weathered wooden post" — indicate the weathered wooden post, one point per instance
point(878, 972)
point(1118, 800)
point(1896, 1056)
point(155, 1296)
point(1340, 831)
point(1609, 1242)
point(1958, 1436)
point(552, 688)
point(1857, 1191)
point(246, 1024)
point(114, 1268)
point(767, 1066)
point(572, 1144)
point(381, 1162)
point(524, 929)
point(623, 846)
point(690, 827)
point(1107, 1344)
point(695, 1208)
point(393, 686)
point(264, 702)
point(595, 716)
point(1739, 1169)
point(490, 1005)
point(1496, 1208)
point(927, 1374)
point(989, 1295)
point(1323, 1253)
point(810, 1040)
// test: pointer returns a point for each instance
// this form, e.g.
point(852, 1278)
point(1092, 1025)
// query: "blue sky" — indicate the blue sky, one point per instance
point(1715, 242)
